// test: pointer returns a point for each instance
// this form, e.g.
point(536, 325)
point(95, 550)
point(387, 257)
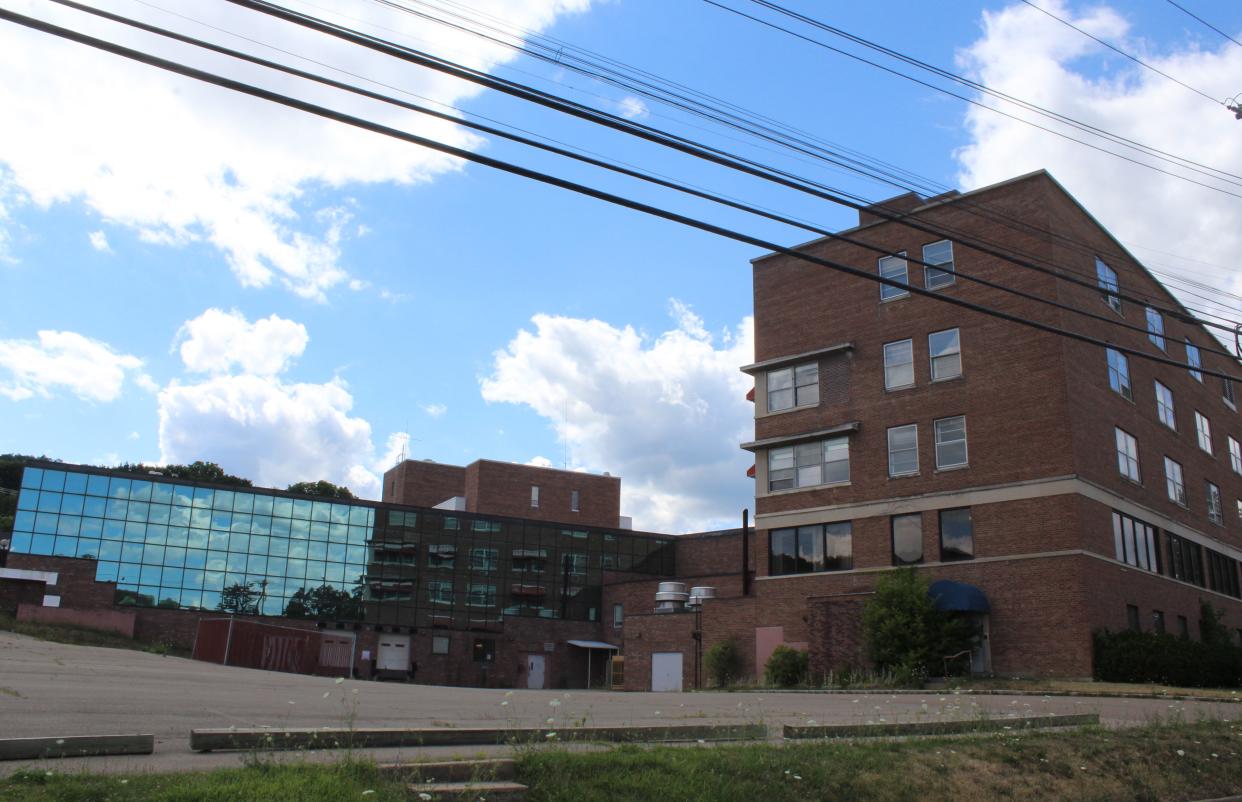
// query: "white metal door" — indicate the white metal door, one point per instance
point(666, 671)
point(534, 671)
point(336, 650)
point(394, 653)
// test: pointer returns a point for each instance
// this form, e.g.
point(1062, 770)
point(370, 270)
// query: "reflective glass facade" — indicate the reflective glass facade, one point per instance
point(249, 550)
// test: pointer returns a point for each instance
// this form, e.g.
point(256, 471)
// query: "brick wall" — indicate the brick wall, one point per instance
point(423, 484)
point(503, 488)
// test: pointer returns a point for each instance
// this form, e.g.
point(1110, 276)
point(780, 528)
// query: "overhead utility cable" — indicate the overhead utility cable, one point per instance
point(1110, 320)
point(545, 178)
point(1190, 13)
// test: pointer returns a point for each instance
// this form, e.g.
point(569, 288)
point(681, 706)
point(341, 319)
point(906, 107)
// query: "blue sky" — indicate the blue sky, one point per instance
point(192, 275)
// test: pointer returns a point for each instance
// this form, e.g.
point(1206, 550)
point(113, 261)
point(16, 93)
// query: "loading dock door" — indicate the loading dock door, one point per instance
point(394, 653)
point(336, 650)
point(666, 671)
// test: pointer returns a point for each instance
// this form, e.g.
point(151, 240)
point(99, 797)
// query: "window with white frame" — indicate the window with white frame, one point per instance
point(440, 591)
point(534, 497)
point(903, 450)
point(1174, 484)
point(574, 499)
point(618, 616)
point(1155, 328)
point(1164, 406)
point(1235, 455)
point(950, 442)
point(939, 254)
point(1106, 278)
point(1194, 360)
point(791, 387)
point(1216, 513)
point(481, 595)
point(1127, 455)
point(1203, 431)
point(894, 267)
point(899, 365)
point(821, 462)
point(484, 559)
point(1119, 374)
point(945, 351)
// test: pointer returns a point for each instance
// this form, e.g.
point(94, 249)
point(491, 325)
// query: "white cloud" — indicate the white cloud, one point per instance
point(632, 108)
point(665, 413)
point(1026, 54)
point(181, 162)
point(435, 410)
point(539, 462)
point(99, 241)
point(89, 369)
point(216, 341)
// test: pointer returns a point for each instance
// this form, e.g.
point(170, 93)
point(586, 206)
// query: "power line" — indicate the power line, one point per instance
point(545, 178)
point(288, 70)
point(1119, 51)
point(1188, 12)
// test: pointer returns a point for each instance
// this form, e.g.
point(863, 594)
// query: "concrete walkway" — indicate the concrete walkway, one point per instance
point(51, 689)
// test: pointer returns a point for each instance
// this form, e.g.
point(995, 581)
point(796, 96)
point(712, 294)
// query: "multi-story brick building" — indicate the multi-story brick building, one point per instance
point(1076, 487)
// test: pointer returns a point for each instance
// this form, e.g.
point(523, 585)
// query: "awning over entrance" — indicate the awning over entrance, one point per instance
point(593, 644)
point(958, 597)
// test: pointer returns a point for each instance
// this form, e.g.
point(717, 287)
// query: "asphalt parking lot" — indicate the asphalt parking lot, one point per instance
point(51, 689)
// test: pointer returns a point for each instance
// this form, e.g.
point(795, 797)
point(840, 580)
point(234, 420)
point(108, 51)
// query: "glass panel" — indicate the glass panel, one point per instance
point(54, 481)
point(75, 483)
point(838, 546)
point(97, 485)
point(957, 539)
point(810, 549)
point(32, 478)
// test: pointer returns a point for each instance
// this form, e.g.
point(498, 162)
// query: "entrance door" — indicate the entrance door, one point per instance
point(394, 653)
point(336, 651)
point(666, 671)
point(534, 670)
point(980, 647)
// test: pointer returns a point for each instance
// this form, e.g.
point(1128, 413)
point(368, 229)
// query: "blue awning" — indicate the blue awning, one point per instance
point(958, 597)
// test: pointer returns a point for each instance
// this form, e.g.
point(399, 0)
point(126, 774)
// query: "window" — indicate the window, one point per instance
point(1155, 328)
point(1216, 513)
point(809, 549)
point(945, 350)
point(957, 535)
point(899, 365)
point(440, 591)
point(1183, 627)
point(573, 501)
point(534, 497)
point(903, 450)
point(793, 387)
point(1157, 621)
point(1185, 559)
point(1193, 360)
point(950, 442)
point(1164, 406)
point(439, 644)
point(1173, 481)
point(1127, 455)
point(484, 650)
point(1235, 455)
point(1132, 618)
point(484, 559)
point(441, 555)
point(893, 267)
point(1119, 374)
point(1106, 278)
point(575, 563)
point(481, 595)
point(1203, 431)
point(1226, 392)
point(1222, 573)
point(907, 539)
point(1135, 543)
point(618, 616)
point(822, 462)
point(939, 254)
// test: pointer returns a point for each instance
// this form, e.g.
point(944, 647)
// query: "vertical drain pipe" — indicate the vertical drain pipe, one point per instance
point(746, 551)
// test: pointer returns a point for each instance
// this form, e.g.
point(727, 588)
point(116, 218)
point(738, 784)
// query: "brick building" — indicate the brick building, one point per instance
point(1078, 489)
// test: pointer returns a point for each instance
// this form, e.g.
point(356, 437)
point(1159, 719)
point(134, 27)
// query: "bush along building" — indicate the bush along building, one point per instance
point(457, 595)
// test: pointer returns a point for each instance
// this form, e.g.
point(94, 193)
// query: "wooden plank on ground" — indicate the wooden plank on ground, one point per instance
point(327, 738)
point(75, 746)
point(955, 727)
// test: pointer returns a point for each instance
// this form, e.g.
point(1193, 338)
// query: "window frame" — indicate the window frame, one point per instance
point(1166, 413)
point(1106, 280)
point(824, 464)
point(795, 389)
point(891, 430)
point(932, 357)
point(534, 497)
point(1194, 361)
point(1235, 454)
point(1228, 394)
point(945, 557)
point(1124, 457)
point(1203, 432)
point(575, 500)
point(1179, 484)
point(894, 520)
point(909, 342)
point(1215, 507)
point(436, 640)
point(1155, 328)
point(618, 615)
point(933, 273)
point(1119, 374)
point(816, 539)
point(887, 292)
point(938, 442)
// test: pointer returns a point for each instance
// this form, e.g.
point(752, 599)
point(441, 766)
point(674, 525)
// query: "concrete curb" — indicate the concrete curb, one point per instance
point(328, 738)
point(989, 692)
point(796, 732)
point(75, 746)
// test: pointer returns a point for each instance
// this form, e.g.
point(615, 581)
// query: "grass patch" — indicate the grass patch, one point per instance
point(1085, 687)
point(84, 637)
point(270, 782)
point(1141, 764)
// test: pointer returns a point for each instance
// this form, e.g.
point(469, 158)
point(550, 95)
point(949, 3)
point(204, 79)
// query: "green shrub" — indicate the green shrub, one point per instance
point(1211, 662)
point(905, 632)
point(786, 667)
point(724, 663)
